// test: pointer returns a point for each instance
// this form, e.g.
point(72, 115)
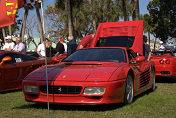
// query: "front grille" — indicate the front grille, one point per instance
point(165, 72)
point(144, 78)
point(61, 89)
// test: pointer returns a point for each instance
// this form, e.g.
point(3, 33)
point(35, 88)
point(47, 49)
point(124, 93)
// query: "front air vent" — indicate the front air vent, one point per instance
point(61, 89)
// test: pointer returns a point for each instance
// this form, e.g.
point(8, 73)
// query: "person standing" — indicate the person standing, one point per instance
point(86, 41)
point(65, 45)
point(161, 48)
point(71, 46)
point(146, 49)
point(9, 45)
point(59, 48)
point(19, 47)
point(41, 48)
point(50, 52)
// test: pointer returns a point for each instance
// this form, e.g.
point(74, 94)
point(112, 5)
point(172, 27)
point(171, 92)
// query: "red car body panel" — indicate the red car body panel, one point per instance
point(81, 74)
point(124, 28)
point(11, 75)
point(165, 65)
point(112, 76)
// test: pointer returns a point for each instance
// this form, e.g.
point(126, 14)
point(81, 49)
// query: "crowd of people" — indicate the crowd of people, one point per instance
point(61, 47)
point(16, 46)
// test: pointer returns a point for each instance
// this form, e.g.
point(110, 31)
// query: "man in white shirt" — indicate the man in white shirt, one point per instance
point(41, 50)
point(9, 45)
point(19, 47)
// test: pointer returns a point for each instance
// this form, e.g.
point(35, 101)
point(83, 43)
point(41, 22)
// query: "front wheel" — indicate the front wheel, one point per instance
point(129, 90)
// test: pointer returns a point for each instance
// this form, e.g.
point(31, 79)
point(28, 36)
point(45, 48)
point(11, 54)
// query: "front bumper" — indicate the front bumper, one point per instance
point(114, 93)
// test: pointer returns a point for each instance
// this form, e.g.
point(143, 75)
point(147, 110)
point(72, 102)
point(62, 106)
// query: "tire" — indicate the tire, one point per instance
point(153, 78)
point(129, 90)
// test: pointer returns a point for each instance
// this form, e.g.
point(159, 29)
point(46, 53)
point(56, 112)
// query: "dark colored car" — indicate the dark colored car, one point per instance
point(14, 67)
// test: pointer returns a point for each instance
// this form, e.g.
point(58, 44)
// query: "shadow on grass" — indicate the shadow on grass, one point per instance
point(11, 91)
point(71, 107)
point(144, 93)
point(165, 80)
point(79, 107)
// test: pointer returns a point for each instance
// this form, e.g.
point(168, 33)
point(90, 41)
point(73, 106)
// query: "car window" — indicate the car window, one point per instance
point(15, 58)
point(131, 55)
point(26, 58)
point(115, 41)
point(98, 54)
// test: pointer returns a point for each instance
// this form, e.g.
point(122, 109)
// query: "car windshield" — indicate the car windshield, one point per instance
point(98, 54)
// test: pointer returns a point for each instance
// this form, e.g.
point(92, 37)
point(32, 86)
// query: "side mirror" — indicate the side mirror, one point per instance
point(138, 59)
point(5, 59)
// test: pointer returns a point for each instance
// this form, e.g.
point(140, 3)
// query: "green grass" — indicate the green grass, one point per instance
point(160, 103)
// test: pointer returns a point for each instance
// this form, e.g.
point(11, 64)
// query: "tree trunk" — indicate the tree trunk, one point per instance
point(93, 15)
point(68, 8)
point(155, 44)
point(3, 33)
point(135, 15)
point(39, 22)
point(10, 30)
point(124, 10)
point(149, 37)
point(24, 23)
point(136, 9)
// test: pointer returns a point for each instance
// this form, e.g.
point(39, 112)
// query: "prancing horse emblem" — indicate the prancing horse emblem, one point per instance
point(59, 89)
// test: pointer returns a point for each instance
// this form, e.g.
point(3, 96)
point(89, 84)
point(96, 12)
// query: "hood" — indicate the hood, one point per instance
point(76, 72)
point(130, 33)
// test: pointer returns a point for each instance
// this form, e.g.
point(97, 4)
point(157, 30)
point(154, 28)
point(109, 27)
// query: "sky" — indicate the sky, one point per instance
point(142, 9)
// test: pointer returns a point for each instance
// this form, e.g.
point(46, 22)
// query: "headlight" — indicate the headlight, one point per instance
point(94, 90)
point(31, 88)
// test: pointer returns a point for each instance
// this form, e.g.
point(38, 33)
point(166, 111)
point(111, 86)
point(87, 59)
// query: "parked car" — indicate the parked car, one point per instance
point(104, 74)
point(14, 67)
point(165, 62)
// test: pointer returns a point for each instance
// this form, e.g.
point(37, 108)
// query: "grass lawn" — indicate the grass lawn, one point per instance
point(158, 104)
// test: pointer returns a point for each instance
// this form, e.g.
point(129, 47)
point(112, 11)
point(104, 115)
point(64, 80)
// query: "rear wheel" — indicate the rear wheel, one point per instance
point(129, 90)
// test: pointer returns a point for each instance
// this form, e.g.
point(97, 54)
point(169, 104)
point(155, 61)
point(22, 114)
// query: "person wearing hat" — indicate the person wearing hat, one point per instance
point(146, 49)
point(59, 47)
point(9, 45)
point(19, 47)
point(65, 45)
point(161, 48)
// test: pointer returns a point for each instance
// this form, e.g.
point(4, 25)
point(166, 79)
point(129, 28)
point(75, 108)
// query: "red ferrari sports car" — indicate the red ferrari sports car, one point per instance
point(14, 67)
point(109, 72)
point(165, 62)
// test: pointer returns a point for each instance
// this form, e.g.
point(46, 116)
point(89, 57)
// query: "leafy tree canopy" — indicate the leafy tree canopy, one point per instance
point(163, 14)
point(105, 11)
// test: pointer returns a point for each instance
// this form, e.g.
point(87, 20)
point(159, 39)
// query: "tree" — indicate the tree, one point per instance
point(147, 27)
point(93, 15)
point(135, 15)
point(124, 9)
point(39, 21)
point(24, 23)
point(83, 21)
point(163, 13)
point(69, 19)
